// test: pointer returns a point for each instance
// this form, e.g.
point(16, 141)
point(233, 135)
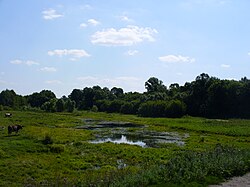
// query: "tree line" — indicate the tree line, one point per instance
point(205, 97)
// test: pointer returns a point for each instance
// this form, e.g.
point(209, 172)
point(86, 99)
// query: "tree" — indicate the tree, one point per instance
point(7, 98)
point(127, 108)
point(155, 85)
point(69, 105)
point(175, 109)
point(88, 98)
point(118, 92)
point(197, 99)
point(49, 106)
point(153, 109)
point(38, 99)
point(77, 96)
point(60, 105)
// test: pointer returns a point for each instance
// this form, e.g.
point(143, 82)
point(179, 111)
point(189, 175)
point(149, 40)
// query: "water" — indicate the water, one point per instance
point(132, 134)
point(120, 140)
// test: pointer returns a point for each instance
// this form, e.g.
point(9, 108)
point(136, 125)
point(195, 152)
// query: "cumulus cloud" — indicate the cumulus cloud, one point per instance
point(126, 36)
point(48, 69)
point(16, 62)
point(93, 22)
point(132, 52)
point(225, 66)
point(126, 19)
point(127, 83)
point(176, 59)
point(83, 25)
point(51, 14)
point(28, 62)
point(73, 53)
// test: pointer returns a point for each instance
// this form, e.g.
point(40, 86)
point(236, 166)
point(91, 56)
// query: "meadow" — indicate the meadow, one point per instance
point(51, 151)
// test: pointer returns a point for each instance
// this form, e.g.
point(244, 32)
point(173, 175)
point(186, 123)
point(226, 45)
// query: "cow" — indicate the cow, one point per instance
point(14, 128)
point(8, 115)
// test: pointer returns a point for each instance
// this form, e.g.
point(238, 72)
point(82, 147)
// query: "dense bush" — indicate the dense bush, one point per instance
point(173, 108)
point(127, 108)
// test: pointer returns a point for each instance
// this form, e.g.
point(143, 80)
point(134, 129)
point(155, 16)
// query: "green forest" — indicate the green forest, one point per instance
point(206, 96)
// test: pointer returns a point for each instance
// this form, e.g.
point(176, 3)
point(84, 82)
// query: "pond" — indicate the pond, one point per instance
point(129, 133)
point(119, 139)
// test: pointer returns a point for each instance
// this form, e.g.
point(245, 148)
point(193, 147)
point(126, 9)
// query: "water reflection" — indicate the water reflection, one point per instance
point(120, 139)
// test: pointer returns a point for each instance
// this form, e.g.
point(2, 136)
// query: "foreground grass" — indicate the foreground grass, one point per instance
point(50, 151)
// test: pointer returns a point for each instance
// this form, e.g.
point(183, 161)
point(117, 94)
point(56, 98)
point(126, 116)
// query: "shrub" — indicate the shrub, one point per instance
point(47, 139)
point(127, 108)
point(153, 109)
point(56, 148)
point(94, 108)
point(173, 108)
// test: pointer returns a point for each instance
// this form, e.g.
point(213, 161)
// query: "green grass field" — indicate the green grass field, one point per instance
point(50, 151)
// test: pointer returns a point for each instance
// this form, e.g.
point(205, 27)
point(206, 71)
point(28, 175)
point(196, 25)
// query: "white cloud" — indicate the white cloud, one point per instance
point(248, 53)
point(16, 62)
point(48, 69)
point(83, 25)
point(28, 62)
point(53, 82)
point(51, 14)
point(127, 83)
point(126, 19)
point(176, 59)
point(93, 22)
point(132, 52)
point(73, 53)
point(127, 36)
point(225, 66)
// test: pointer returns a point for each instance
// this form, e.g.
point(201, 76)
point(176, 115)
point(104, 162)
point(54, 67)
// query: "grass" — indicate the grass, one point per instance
point(50, 151)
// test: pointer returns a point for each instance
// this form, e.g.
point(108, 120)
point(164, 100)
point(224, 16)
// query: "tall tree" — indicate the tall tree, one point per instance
point(155, 85)
point(77, 96)
point(38, 99)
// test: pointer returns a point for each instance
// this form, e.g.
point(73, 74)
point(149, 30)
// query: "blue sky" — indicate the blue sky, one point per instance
point(65, 44)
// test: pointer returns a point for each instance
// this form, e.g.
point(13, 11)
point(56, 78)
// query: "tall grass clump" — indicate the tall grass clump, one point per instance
point(186, 168)
point(47, 139)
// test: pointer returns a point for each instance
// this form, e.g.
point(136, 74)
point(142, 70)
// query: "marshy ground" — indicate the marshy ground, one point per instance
point(100, 149)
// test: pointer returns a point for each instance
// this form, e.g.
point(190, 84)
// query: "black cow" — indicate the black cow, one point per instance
point(8, 115)
point(14, 128)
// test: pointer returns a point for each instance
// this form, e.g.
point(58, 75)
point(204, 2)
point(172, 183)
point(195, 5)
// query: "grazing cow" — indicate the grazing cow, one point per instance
point(8, 115)
point(14, 128)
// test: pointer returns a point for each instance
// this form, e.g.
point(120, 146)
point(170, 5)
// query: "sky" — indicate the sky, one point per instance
point(61, 45)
